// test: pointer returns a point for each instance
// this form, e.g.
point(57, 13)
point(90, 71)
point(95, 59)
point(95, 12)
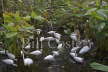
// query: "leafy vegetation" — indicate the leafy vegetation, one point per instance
point(19, 20)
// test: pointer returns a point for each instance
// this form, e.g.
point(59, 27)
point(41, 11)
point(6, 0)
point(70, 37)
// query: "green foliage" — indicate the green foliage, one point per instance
point(98, 66)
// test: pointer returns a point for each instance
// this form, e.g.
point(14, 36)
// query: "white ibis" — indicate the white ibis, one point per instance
point(75, 49)
point(49, 58)
point(2, 52)
point(11, 56)
point(60, 46)
point(55, 53)
point(73, 54)
point(51, 32)
point(28, 46)
point(78, 59)
point(9, 62)
point(57, 35)
point(73, 36)
point(27, 61)
point(84, 50)
point(49, 38)
point(37, 52)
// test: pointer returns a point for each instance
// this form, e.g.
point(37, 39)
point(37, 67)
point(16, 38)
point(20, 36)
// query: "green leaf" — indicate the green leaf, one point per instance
point(11, 34)
point(102, 13)
point(98, 66)
point(90, 11)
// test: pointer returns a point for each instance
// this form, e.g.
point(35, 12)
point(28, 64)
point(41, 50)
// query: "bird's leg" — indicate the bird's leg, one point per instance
point(41, 46)
point(49, 44)
point(37, 47)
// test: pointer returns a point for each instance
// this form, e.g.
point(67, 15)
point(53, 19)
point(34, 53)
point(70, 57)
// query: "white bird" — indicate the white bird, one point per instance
point(49, 58)
point(9, 61)
point(55, 53)
point(57, 41)
point(75, 49)
point(60, 46)
point(49, 38)
point(11, 56)
point(73, 36)
point(3, 52)
point(78, 59)
point(42, 39)
point(84, 50)
point(27, 61)
point(36, 52)
point(51, 32)
point(57, 35)
point(28, 46)
point(73, 54)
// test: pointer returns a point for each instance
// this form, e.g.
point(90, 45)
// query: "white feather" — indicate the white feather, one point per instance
point(28, 61)
point(37, 52)
point(57, 35)
point(50, 38)
point(9, 61)
point(73, 36)
point(49, 58)
point(60, 46)
point(75, 49)
point(28, 46)
point(11, 56)
point(73, 54)
point(78, 59)
point(51, 32)
point(55, 53)
point(42, 38)
point(3, 52)
point(85, 49)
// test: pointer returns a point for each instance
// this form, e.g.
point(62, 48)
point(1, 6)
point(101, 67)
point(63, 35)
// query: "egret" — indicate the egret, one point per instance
point(37, 52)
point(78, 59)
point(49, 58)
point(42, 39)
point(57, 41)
point(73, 36)
point(75, 49)
point(9, 62)
point(27, 61)
point(84, 50)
